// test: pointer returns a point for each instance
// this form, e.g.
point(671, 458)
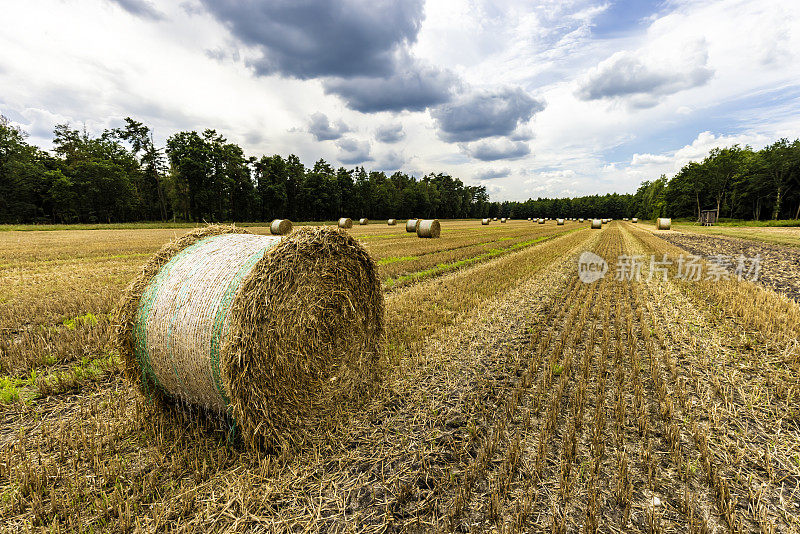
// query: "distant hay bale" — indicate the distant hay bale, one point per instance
point(580, 220)
point(541, 221)
point(663, 223)
point(624, 218)
point(560, 222)
point(502, 219)
point(363, 221)
point(485, 221)
point(429, 228)
point(635, 220)
point(280, 227)
point(391, 222)
point(412, 225)
point(597, 223)
point(494, 219)
point(529, 218)
point(276, 332)
point(345, 223)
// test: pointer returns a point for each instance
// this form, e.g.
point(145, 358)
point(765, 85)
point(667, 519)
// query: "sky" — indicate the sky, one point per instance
point(530, 99)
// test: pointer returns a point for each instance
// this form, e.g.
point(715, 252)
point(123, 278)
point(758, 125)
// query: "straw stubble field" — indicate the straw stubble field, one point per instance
point(516, 398)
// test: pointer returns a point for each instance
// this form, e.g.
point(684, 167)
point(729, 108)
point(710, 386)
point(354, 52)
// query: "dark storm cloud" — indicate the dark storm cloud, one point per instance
point(390, 133)
point(321, 128)
point(352, 151)
point(412, 87)
point(139, 8)
point(493, 173)
point(624, 75)
point(485, 114)
point(495, 149)
point(314, 38)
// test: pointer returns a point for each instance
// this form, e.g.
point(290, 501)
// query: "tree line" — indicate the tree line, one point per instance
point(740, 182)
point(121, 175)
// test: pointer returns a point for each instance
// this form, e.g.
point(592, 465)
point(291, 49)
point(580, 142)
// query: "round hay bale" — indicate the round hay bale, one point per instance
point(580, 220)
point(502, 219)
point(485, 222)
point(363, 221)
point(541, 221)
point(560, 222)
point(276, 332)
point(345, 223)
point(280, 227)
point(391, 222)
point(529, 218)
point(663, 223)
point(494, 219)
point(597, 223)
point(634, 220)
point(624, 218)
point(412, 225)
point(429, 228)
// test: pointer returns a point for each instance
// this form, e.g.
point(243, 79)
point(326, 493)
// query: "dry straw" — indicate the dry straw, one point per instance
point(363, 222)
point(560, 222)
point(280, 227)
point(391, 222)
point(412, 225)
point(663, 223)
point(485, 222)
point(429, 228)
point(345, 223)
point(597, 223)
point(276, 332)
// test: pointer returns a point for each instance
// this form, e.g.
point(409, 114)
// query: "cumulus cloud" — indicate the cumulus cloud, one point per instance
point(391, 161)
point(481, 114)
point(413, 86)
point(139, 8)
point(643, 79)
point(390, 133)
point(490, 174)
point(352, 151)
point(316, 38)
point(494, 149)
point(359, 48)
point(321, 128)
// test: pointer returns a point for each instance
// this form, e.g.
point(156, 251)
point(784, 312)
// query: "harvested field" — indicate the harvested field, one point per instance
point(516, 399)
point(781, 235)
point(779, 264)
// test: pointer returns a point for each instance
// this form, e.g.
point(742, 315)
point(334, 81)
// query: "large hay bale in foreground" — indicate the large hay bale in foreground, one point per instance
point(597, 223)
point(275, 332)
point(560, 222)
point(663, 223)
point(429, 228)
point(485, 222)
point(280, 227)
point(412, 225)
point(391, 222)
point(345, 223)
